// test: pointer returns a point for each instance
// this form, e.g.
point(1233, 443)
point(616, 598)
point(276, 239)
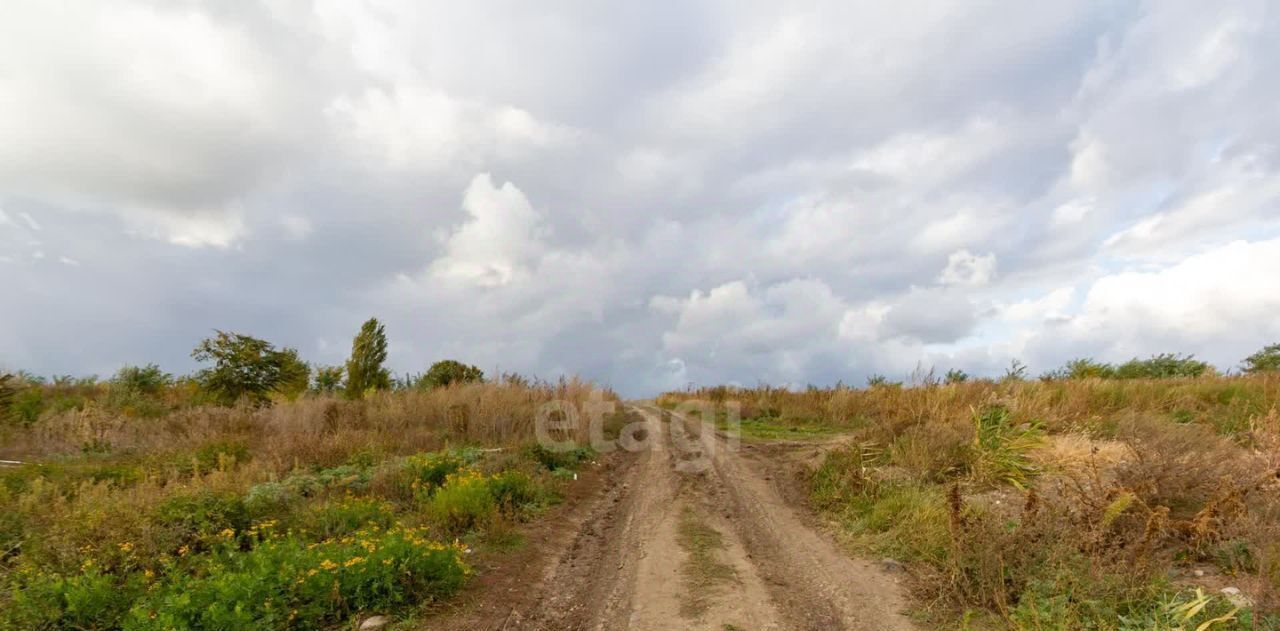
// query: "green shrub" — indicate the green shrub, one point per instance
point(198, 515)
point(553, 459)
point(286, 583)
point(345, 516)
point(462, 504)
point(1162, 366)
point(514, 491)
point(89, 601)
point(432, 469)
point(146, 380)
point(1265, 360)
point(447, 372)
point(1001, 448)
point(269, 499)
point(26, 406)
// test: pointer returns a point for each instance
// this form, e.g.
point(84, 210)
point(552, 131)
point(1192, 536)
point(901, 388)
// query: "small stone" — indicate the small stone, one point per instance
point(1198, 573)
point(1237, 599)
point(890, 565)
point(373, 623)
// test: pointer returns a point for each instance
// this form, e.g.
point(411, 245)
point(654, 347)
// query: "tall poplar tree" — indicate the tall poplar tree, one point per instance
point(368, 352)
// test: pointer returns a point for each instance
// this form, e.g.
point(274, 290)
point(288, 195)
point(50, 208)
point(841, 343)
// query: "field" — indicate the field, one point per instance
point(157, 510)
point(1054, 504)
point(1063, 503)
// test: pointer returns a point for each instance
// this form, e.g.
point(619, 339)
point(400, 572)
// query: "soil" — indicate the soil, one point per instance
point(692, 531)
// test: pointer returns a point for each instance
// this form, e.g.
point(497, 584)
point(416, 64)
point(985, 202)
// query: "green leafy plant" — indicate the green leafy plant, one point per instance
point(1001, 448)
point(287, 583)
point(465, 502)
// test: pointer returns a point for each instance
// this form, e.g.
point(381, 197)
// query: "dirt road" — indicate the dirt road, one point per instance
point(690, 533)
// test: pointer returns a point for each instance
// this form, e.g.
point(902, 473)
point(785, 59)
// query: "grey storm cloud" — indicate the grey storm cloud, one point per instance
point(649, 195)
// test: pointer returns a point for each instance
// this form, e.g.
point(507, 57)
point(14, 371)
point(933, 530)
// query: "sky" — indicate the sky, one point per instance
point(647, 194)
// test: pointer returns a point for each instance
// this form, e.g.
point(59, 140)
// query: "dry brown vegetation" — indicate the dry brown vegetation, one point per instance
point(113, 504)
point(1056, 504)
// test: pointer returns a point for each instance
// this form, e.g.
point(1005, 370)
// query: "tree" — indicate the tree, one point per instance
point(448, 371)
point(955, 375)
point(8, 388)
point(244, 367)
point(1265, 360)
point(147, 380)
point(368, 351)
point(1163, 366)
point(328, 379)
point(295, 374)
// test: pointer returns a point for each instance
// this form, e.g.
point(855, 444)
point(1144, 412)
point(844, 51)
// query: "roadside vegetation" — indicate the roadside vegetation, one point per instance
point(260, 493)
point(1138, 496)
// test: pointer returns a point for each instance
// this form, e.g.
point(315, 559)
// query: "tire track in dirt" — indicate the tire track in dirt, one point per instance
point(629, 564)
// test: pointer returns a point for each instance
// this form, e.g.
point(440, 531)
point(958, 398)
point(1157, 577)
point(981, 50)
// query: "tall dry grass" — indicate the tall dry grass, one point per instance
point(319, 430)
point(1085, 503)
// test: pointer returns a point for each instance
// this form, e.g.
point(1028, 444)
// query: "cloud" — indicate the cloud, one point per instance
point(968, 269)
point(680, 192)
point(1219, 304)
point(498, 242)
point(930, 316)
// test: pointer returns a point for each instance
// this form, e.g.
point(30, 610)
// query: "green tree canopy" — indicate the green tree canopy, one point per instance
point(448, 371)
point(368, 352)
point(1265, 360)
point(328, 379)
point(244, 367)
point(148, 380)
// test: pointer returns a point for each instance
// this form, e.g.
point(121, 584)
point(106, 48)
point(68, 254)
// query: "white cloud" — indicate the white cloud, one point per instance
point(140, 111)
point(498, 242)
point(1219, 304)
point(786, 192)
point(416, 128)
point(967, 269)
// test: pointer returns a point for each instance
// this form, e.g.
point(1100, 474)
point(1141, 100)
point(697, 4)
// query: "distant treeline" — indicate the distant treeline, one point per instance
point(240, 369)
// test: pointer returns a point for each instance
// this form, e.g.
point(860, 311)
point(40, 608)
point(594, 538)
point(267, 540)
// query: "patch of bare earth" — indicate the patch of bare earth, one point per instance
point(689, 532)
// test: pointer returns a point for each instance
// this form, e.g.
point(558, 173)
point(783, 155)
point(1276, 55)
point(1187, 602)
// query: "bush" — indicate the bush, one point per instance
point(1001, 448)
point(513, 491)
point(1163, 366)
point(90, 601)
point(345, 516)
point(286, 583)
point(448, 372)
point(554, 459)
point(269, 498)
point(1265, 360)
point(197, 516)
point(145, 380)
point(463, 503)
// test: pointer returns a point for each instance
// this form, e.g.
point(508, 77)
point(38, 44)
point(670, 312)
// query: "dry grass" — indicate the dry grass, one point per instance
point(108, 494)
point(1063, 504)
